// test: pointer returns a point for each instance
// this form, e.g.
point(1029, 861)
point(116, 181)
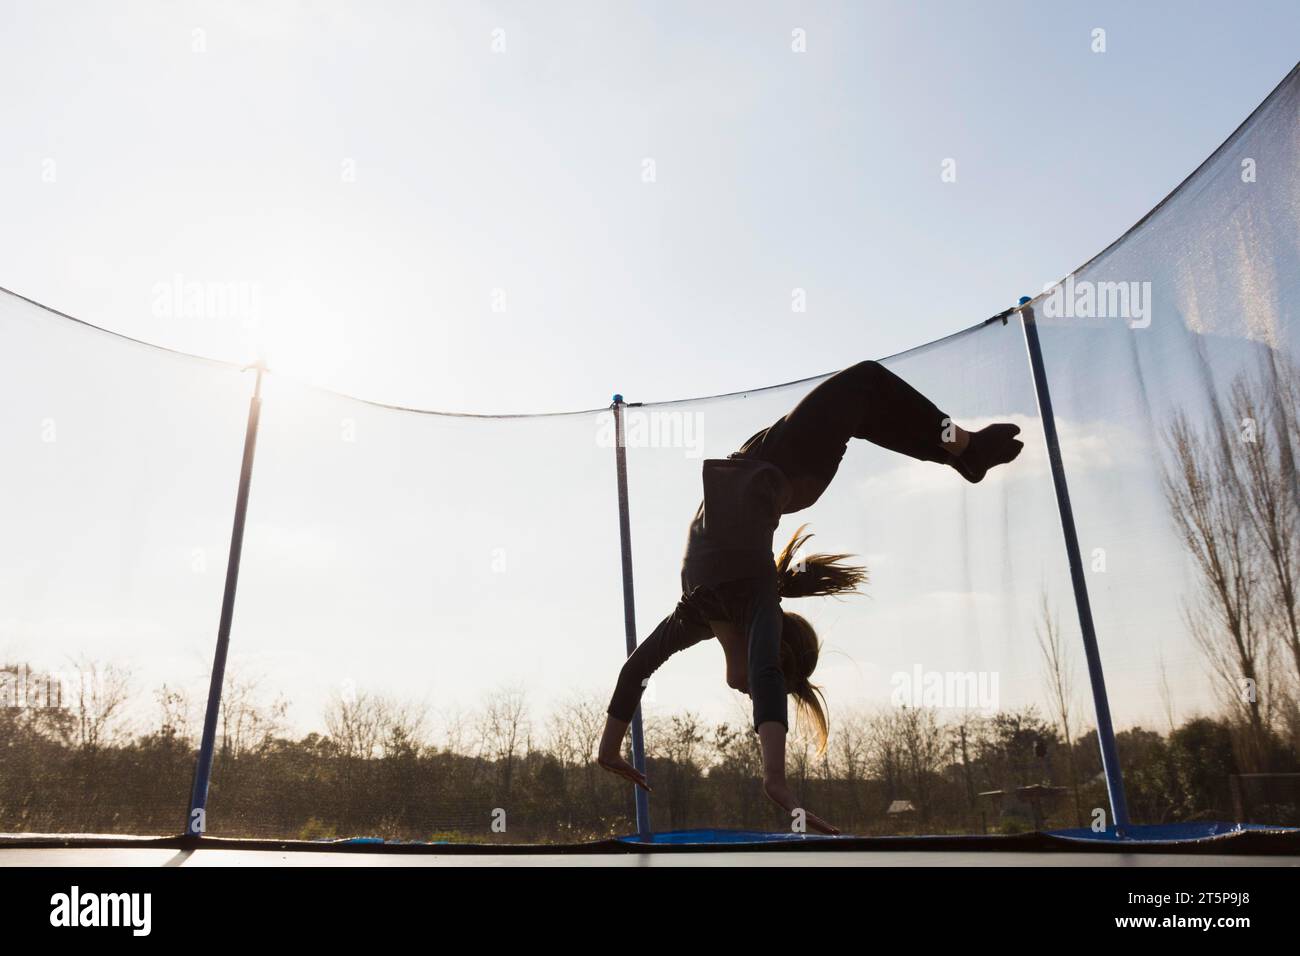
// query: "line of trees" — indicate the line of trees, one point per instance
point(500, 774)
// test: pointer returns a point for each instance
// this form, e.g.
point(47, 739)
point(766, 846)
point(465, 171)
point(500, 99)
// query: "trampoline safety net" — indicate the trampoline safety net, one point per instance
point(430, 609)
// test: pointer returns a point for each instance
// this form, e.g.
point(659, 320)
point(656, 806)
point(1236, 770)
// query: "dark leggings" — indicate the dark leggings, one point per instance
point(863, 401)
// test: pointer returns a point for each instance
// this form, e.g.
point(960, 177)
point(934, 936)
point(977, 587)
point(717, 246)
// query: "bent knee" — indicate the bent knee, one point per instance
point(867, 371)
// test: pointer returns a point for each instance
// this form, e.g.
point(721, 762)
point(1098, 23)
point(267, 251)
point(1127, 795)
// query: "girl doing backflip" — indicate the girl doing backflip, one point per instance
point(732, 585)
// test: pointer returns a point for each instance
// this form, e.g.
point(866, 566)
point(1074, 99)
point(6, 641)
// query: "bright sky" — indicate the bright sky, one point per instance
point(446, 205)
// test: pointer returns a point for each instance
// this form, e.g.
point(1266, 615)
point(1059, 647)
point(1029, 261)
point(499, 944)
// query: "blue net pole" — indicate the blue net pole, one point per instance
point(629, 609)
point(196, 819)
point(1097, 679)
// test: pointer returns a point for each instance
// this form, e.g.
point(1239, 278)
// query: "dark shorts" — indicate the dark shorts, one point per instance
point(731, 601)
point(753, 606)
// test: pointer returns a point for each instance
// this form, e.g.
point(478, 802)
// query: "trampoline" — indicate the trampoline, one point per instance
point(1211, 845)
point(975, 857)
point(1097, 637)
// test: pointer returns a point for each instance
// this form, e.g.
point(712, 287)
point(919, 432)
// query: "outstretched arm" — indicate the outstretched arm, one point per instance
point(679, 630)
point(610, 756)
point(771, 737)
point(767, 688)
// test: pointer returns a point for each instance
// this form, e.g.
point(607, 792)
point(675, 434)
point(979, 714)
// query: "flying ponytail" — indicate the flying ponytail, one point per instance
point(815, 575)
point(808, 576)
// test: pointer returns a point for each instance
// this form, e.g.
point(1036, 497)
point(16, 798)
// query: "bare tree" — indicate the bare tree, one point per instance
point(848, 747)
point(246, 721)
point(1267, 409)
point(846, 759)
point(1166, 694)
point(355, 722)
point(1227, 617)
point(677, 746)
point(503, 731)
point(574, 730)
point(1059, 674)
point(885, 747)
point(925, 747)
point(676, 739)
point(455, 725)
point(401, 726)
point(176, 718)
point(98, 699)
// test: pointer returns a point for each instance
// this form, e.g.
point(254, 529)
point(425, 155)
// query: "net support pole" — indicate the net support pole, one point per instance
point(1096, 677)
point(196, 818)
point(629, 609)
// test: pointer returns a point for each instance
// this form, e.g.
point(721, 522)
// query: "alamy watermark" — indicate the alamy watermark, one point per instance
point(655, 428)
point(1084, 299)
point(21, 688)
point(962, 690)
point(183, 298)
point(76, 908)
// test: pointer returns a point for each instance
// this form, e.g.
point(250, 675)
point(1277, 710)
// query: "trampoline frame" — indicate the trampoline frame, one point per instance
point(1178, 840)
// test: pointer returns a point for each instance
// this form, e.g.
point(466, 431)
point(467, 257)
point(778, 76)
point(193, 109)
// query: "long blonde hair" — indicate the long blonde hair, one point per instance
point(813, 575)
